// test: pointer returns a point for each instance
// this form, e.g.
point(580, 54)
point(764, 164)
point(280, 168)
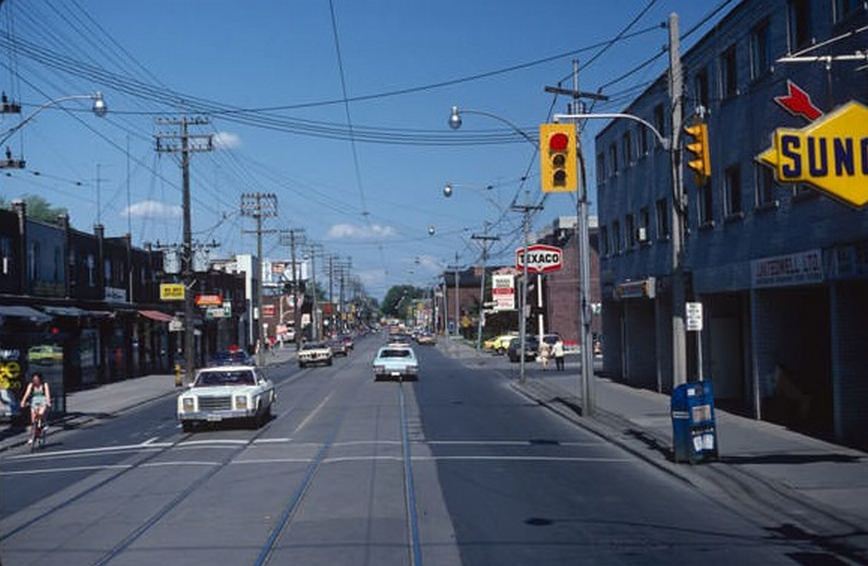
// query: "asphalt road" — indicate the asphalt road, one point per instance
point(455, 468)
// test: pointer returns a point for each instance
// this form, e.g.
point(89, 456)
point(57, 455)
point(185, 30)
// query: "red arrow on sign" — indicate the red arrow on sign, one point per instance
point(798, 103)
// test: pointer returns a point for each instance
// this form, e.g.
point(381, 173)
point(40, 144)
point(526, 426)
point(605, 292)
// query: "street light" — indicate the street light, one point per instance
point(99, 108)
point(455, 122)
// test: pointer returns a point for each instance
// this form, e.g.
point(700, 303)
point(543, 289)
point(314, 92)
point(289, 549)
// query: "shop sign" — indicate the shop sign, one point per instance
point(644, 289)
point(830, 154)
point(209, 301)
point(503, 292)
point(850, 261)
point(171, 291)
point(268, 310)
point(215, 312)
point(115, 295)
point(803, 268)
point(227, 308)
point(694, 317)
point(10, 369)
point(176, 325)
point(541, 258)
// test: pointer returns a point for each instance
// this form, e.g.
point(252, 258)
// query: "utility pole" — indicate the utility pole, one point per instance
point(457, 307)
point(484, 238)
point(314, 316)
point(167, 143)
point(259, 206)
point(679, 340)
point(526, 210)
point(292, 237)
point(583, 245)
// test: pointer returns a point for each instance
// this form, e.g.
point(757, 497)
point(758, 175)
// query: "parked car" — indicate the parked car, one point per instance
point(45, 354)
point(531, 349)
point(498, 344)
point(338, 347)
point(234, 393)
point(10, 408)
point(396, 362)
point(315, 353)
point(348, 341)
point(232, 358)
point(400, 339)
point(426, 338)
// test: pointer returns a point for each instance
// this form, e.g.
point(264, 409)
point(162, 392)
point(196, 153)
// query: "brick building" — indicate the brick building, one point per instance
point(789, 348)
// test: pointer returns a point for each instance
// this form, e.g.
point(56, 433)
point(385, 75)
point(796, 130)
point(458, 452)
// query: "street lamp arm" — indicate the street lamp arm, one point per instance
point(513, 127)
point(99, 108)
point(608, 116)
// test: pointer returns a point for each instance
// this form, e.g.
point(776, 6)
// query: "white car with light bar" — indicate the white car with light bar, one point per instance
point(227, 393)
point(315, 353)
point(396, 361)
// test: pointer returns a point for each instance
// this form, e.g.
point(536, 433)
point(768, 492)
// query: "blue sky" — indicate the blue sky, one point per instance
point(270, 53)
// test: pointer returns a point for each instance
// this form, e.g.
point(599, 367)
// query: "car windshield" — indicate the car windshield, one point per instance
point(396, 353)
point(233, 377)
point(313, 346)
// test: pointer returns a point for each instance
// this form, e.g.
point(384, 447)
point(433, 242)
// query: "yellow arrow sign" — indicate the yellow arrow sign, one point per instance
point(831, 154)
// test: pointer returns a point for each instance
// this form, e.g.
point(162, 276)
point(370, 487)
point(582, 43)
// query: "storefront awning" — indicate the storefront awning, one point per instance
point(157, 315)
point(16, 311)
point(65, 311)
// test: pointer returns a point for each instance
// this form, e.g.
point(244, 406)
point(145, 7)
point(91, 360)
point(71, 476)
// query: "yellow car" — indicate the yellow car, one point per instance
point(498, 344)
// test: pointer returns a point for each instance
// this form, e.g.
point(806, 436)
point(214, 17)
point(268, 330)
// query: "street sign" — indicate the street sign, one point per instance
point(171, 291)
point(176, 325)
point(829, 154)
point(694, 317)
point(503, 291)
point(215, 312)
point(542, 258)
point(209, 301)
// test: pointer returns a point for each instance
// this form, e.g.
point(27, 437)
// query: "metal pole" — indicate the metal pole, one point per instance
point(457, 301)
point(295, 310)
point(485, 239)
point(522, 300)
point(189, 346)
point(539, 304)
point(314, 319)
point(679, 342)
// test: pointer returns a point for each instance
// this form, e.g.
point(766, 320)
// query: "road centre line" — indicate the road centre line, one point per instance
point(313, 413)
point(271, 440)
point(179, 463)
point(68, 469)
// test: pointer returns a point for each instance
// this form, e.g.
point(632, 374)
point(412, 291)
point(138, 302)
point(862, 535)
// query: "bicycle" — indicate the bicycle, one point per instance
point(37, 433)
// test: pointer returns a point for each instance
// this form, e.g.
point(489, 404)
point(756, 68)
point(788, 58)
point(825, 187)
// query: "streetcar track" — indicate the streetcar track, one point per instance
point(409, 486)
point(122, 472)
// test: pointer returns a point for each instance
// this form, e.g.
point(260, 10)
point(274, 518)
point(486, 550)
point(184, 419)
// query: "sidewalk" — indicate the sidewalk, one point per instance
point(762, 465)
point(83, 407)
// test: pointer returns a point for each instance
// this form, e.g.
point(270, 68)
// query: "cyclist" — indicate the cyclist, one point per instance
point(38, 395)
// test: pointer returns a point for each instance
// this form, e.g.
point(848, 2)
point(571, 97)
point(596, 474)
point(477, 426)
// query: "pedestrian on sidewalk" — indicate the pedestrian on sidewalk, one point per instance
point(558, 353)
point(544, 354)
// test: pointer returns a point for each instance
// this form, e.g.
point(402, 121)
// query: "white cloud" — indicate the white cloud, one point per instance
point(361, 232)
point(226, 140)
point(152, 209)
point(372, 277)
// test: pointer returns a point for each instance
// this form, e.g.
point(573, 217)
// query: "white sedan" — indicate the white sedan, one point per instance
point(396, 361)
point(227, 393)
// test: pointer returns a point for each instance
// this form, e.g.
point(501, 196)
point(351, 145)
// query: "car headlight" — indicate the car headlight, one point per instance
point(189, 404)
point(379, 369)
point(240, 402)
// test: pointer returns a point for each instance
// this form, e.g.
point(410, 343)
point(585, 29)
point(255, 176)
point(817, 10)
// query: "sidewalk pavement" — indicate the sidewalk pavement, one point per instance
point(783, 474)
point(88, 405)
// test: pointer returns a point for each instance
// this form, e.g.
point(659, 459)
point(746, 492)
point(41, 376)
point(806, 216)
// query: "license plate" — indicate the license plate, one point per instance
point(214, 418)
point(396, 374)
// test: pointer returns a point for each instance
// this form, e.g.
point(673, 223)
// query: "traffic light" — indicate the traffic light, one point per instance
point(700, 161)
point(558, 158)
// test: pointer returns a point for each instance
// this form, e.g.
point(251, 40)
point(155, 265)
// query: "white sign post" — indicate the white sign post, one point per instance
point(694, 324)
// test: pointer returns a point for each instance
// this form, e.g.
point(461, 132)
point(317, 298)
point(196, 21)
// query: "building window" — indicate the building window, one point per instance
point(604, 241)
point(765, 186)
point(760, 48)
point(58, 264)
point(644, 221)
point(662, 219)
point(732, 189)
point(630, 229)
point(728, 74)
point(844, 8)
point(601, 165)
point(617, 246)
point(613, 159)
point(627, 149)
point(91, 270)
point(799, 24)
point(660, 120)
point(642, 136)
point(700, 88)
point(706, 205)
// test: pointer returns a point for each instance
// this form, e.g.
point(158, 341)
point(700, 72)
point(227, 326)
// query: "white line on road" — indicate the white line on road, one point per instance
point(313, 413)
point(179, 463)
point(273, 461)
point(68, 469)
point(271, 440)
point(150, 441)
point(98, 450)
point(214, 441)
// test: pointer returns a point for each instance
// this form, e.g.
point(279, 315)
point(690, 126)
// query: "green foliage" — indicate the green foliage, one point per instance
point(399, 298)
point(38, 208)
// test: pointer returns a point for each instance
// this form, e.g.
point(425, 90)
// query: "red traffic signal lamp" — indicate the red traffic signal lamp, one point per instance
point(700, 161)
point(558, 171)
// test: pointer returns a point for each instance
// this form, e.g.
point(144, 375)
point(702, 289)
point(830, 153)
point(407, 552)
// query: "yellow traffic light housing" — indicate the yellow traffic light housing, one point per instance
point(558, 171)
point(700, 161)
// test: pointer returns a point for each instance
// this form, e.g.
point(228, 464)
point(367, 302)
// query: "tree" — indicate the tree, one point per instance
point(38, 208)
point(398, 299)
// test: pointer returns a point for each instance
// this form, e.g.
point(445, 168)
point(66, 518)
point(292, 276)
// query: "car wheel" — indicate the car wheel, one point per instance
point(187, 426)
point(328, 363)
point(301, 365)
